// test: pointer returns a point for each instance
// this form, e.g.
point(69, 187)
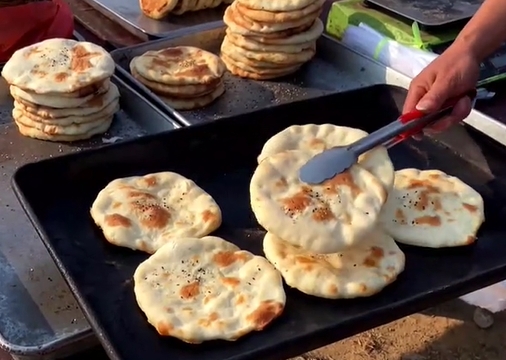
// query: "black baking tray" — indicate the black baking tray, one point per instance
point(221, 157)
point(430, 13)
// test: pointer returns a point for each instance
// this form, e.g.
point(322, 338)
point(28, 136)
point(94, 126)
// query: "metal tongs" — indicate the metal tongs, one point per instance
point(329, 163)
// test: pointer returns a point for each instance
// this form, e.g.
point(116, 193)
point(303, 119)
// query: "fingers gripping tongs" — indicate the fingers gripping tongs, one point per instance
point(334, 161)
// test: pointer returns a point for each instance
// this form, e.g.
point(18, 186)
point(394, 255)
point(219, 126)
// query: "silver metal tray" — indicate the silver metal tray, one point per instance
point(325, 74)
point(128, 14)
point(40, 317)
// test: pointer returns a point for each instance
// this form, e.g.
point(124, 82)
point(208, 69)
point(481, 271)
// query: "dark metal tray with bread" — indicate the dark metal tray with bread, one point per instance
point(128, 14)
point(221, 158)
point(331, 70)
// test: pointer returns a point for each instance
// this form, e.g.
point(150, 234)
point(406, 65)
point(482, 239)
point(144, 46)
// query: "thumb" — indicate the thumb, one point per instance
point(433, 100)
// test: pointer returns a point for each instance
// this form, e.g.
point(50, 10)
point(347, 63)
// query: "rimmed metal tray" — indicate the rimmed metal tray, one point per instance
point(40, 317)
point(221, 157)
point(327, 73)
point(128, 14)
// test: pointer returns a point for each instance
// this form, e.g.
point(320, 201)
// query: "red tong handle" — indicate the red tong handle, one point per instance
point(417, 114)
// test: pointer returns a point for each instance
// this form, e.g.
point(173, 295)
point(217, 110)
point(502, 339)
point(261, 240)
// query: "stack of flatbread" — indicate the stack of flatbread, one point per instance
point(269, 39)
point(158, 9)
point(62, 90)
point(336, 239)
point(194, 287)
point(184, 77)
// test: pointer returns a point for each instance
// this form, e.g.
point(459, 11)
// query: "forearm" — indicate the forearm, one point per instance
point(485, 32)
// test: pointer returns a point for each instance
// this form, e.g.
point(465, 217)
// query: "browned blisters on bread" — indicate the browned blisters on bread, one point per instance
point(209, 216)
point(428, 220)
point(81, 58)
point(150, 6)
point(61, 76)
point(376, 254)
point(134, 194)
point(266, 312)
point(151, 215)
point(317, 144)
point(190, 291)
point(332, 289)
point(150, 181)
point(164, 328)
point(470, 239)
point(230, 281)
point(241, 299)
point(400, 216)
point(38, 73)
point(117, 220)
point(174, 52)
point(470, 208)
point(322, 214)
point(307, 263)
point(344, 179)
point(281, 184)
point(227, 258)
point(297, 203)
point(33, 51)
point(207, 322)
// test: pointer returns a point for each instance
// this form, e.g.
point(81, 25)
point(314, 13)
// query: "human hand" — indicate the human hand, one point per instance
point(451, 74)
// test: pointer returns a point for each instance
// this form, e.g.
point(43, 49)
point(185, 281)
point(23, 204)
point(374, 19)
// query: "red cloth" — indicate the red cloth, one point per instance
point(28, 24)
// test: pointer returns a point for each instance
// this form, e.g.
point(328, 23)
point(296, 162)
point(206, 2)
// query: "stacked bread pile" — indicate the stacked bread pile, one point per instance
point(62, 90)
point(336, 239)
point(269, 39)
point(158, 9)
point(192, 281)
point(184, 77)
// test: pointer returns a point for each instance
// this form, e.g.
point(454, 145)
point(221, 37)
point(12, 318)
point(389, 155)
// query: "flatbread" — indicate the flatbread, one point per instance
point(95, 105)
point(360, 271)
point(260, 68)
point(232, 50)
point(206, 289)
point(233, 26)
point(157, 9)
point(278, 16)
point(181, 65)
point(244, 71)
point(58, 66)
point(30, 119)
point(248, 44)
point(317, 138)
point(145, 212)
point(322, 218)
point(37, 134)
point(269, 27)
point(429, 208)
point(54, 101)
point(312, 33)
point(278, 5)
point(194, 103)
point(178, 91)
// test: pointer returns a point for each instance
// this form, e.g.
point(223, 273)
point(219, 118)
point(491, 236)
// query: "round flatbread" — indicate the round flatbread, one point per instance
point(145, 212)
point(40, 135)
point(55, 101)
point(194, 103)
point(429, 208)
point(95, 105)
point(70, 129)
point(268, 27)
point(278, 5)
point(248, 72)
point(33, 120)
point(360, 271)
point(311, 33)
point(280, 58)
point(181, 65)
point(58, 66)
point(178, 91)
point(157, 9)
point(248, 44)
point(279, 16)
point(317, 138)
point(208, 289)
point(321, 218)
